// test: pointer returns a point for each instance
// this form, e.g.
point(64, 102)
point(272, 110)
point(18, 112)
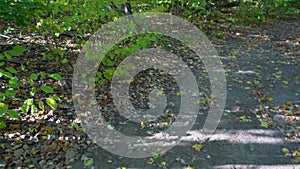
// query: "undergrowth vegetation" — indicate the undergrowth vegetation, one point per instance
point(77, 19)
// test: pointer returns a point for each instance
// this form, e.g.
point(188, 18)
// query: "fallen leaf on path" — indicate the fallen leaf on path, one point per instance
point(197, 147)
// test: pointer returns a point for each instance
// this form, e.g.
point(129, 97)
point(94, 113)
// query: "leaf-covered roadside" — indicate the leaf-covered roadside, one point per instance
point(286, 118)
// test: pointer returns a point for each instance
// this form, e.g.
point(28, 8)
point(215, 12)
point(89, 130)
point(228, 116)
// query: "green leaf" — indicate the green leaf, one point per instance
point(33, 91)
point(108, 73)
point(28, 102)
point(11, 69)
point(264, 124)
point(285, 150)
point(33, 109)
point(25, 108)
point(3, 108)
point(52, 103)
point(17, 50)
point(13, 82)
point(33, 76)
point(41, 105)
point(2, 123)
point(7, 74)
point(108, 62)
point(2, 96)
point(47, 89)
point(8, 56)
point(10, 93)
point(1, 56)
point(88, 161)
point(155, 156)
point(56, 76)
point(43, 75)
point(23, 68)
point(13, 114)
point(56, 98)
point(65, 60)
point(195, 162)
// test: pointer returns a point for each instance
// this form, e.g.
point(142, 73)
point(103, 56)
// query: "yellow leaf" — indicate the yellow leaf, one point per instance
point(33, 152)
point(269, 99)
point(45, 137)
point(261, 108)
point(243, 117)
point(143, 125)
point(197, 147)
point(164, 124)
point(52, 103)
point(189, 167)
point(247, 88)
point(150, 161)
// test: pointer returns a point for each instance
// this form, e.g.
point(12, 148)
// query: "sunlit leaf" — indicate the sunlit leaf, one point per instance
point(143, 125)
point(52, 103)
point(247, 88)
point(33, 109)
point(155, 156)
point(33, 76)
point(197, 147)
point(88, 161)
point(269, 99)
point(47, 89)
point(28, 102)
point(7, 74)
point(56, 98)
point(25, 108)
point(55, 76)
point(41, 105)
point(33, 91)
point(3, 108)
point(23, 67)
point(150, 161)
point(277, 76)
